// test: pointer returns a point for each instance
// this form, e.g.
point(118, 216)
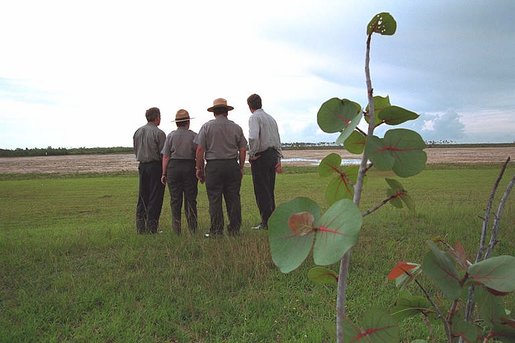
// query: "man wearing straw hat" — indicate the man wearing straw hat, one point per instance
point(222, 144)
point(179, 171)
point(148, 141)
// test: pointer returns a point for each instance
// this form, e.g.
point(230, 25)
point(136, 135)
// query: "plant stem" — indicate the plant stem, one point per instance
point(378, 206)
point(345, 261)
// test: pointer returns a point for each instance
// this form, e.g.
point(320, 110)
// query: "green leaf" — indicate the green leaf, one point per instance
point(439, 267)
point(379, 103)
point(400, 150)
point(408, 305)
point(395, 115)
point(337, 232)
point(497, 273)
point(330, 165)
point(349, 129)
point(383, 23)
point(290, 232)
point(376, 327)
point(468, 331)
point(341, 186)
point(355, 144)
point(401, 195)
point(323, 275)
point(491, 308)
point(335, 114)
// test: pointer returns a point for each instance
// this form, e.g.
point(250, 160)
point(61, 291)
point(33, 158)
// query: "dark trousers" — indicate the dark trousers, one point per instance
point(223, 178)
point(263, 178)
point(182, 184)
point(150, 199)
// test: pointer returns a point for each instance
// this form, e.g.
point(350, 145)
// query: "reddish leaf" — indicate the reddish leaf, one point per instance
point(461, 255)
point(400, 269)
point(301, 223)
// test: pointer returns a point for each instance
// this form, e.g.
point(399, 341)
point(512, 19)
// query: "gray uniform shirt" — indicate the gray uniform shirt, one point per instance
point(263, 133)
point(148, 142)
point(179, 144)
point(221, 139)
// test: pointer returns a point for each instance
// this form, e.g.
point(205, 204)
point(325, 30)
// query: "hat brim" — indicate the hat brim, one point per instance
point(212, 108)
point(180, 120)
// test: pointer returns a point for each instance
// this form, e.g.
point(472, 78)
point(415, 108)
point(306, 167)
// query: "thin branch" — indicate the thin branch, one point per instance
point(493, 239)
point(497, 219)
point(479, 256)
point(361, 131)
point(437, 309)
point(378, 206)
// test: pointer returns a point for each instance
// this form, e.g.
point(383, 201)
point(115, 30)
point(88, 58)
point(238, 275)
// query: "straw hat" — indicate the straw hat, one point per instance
point(182, 115)
point(220, 103)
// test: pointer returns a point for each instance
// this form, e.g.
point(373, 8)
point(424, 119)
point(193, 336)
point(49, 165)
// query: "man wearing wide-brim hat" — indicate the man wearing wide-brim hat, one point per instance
point(179, 171)
point(222, 144)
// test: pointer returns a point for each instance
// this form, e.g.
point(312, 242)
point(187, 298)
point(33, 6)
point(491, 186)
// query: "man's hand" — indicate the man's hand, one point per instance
point(200, 175)
point(278, 168)
point(163, 179)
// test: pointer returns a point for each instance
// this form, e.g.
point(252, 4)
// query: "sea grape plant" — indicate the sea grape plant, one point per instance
point(298, 227)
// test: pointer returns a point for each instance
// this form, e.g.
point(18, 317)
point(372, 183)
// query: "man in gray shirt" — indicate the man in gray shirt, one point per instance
point(148, 142)
point(221, 142)
point(179, 171)
point(264, 157)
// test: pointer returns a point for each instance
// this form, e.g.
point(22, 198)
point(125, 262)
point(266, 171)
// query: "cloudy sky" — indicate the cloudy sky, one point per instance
point(82, 73)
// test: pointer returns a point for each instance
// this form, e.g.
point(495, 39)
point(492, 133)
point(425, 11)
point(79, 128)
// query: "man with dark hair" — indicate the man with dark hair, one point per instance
point(221, 142)
point(148, 142)
point(264, 156)
point(179, 171)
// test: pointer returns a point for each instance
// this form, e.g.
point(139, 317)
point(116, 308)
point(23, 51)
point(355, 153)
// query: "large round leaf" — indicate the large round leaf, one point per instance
point(401, 150)
point(383, 23)
point(355, 143)
point(291, 232)
point(335, 114)
point(497, 273)
point(330, 165)
point(337, 232)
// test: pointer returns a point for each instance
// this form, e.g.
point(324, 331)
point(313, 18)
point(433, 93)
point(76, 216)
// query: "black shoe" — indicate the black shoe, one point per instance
point(260, 227)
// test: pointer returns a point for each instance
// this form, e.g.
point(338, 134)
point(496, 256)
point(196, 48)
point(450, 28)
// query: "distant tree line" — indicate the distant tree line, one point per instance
point(50, 151)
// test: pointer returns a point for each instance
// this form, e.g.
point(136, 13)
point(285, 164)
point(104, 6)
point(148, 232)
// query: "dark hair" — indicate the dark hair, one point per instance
point(254, 102)
point(182, 123)
point(220, 110)
point(152, 114)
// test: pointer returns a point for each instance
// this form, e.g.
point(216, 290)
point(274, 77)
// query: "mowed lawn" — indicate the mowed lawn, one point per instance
point(73, 269)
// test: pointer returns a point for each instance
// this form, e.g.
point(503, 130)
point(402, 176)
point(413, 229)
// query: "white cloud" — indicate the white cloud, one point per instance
point(83, 73)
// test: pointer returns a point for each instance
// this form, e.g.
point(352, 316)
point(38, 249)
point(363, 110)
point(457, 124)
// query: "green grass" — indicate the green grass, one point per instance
point(72, 268)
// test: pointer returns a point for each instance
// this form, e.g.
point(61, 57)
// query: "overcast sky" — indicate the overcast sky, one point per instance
point(82, 73)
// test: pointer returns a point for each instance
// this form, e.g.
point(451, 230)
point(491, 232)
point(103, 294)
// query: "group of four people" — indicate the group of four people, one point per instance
point(216, 156)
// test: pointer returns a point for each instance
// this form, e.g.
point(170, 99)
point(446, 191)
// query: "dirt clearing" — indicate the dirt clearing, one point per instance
point(126, 162)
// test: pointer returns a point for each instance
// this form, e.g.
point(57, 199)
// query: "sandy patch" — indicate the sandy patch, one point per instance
point(127, 162)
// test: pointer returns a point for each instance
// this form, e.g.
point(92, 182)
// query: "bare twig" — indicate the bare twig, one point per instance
point(493, 240)
point(497, 219)
point(480, 252)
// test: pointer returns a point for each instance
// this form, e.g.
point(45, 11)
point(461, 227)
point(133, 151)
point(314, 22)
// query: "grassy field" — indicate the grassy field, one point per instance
point(72, 268)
